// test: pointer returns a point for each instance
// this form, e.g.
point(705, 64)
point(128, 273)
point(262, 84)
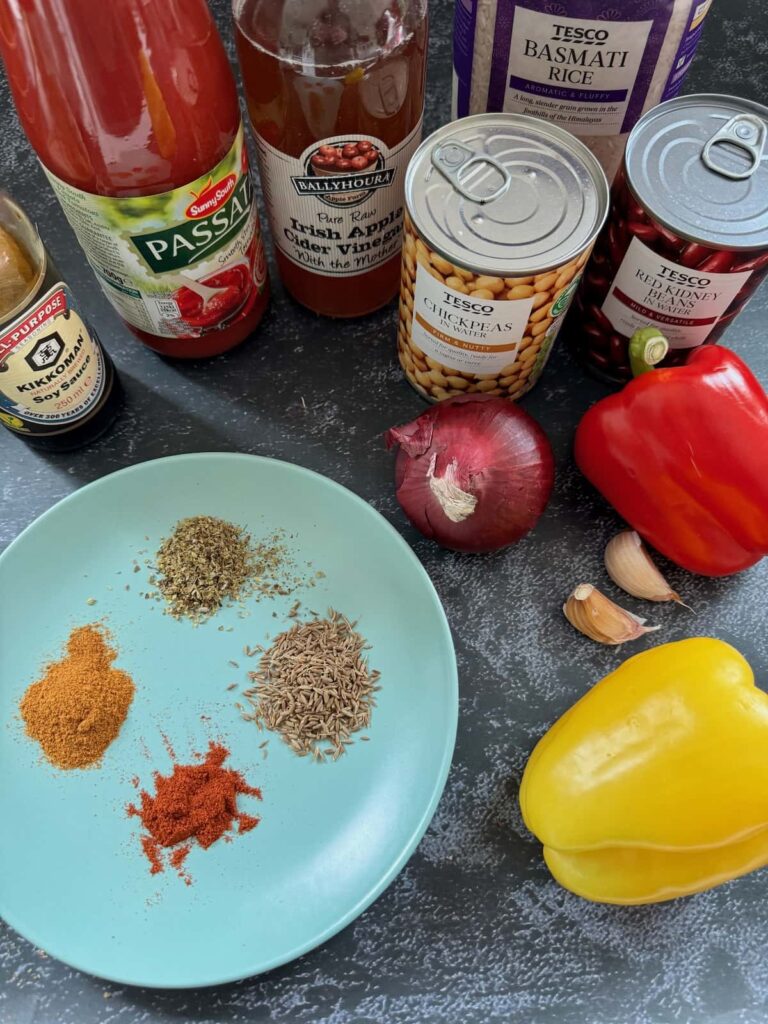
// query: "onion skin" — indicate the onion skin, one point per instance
point(482, 458)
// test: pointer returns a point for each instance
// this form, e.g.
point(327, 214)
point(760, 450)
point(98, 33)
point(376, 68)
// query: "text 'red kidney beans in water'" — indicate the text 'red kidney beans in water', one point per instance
point(686, 243)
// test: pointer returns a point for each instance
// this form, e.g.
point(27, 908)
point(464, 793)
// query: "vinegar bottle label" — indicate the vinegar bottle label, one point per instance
point(179, 264)
point(337, 210)
point(52, 372)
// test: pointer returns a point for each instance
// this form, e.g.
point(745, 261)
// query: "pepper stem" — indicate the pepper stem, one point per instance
point(646, 348)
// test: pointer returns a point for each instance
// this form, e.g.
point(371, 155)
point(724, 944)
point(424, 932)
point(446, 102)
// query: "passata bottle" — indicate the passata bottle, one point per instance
point(335, 91)
point(132, 109)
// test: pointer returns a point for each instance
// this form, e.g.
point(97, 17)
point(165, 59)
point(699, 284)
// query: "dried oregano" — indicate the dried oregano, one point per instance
point(207, 562)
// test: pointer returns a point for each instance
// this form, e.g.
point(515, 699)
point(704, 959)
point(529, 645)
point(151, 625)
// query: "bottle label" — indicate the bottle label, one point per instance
point(337, 210)
point(589, 75)
point(684, 304)
point(52, 371)
point(180, 264)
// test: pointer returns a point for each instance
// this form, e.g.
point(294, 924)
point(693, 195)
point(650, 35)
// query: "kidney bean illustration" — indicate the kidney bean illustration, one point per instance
point(645, 232)
point(751, 262)
point(348, 158)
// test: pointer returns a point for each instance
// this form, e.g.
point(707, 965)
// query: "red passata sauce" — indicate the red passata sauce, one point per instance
point(132, 109)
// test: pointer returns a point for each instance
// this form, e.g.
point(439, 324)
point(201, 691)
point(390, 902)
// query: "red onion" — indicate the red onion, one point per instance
point(473, 473)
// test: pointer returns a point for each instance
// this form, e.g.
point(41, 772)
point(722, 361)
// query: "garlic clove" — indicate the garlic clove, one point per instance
point(597, 617)
point(631, 567)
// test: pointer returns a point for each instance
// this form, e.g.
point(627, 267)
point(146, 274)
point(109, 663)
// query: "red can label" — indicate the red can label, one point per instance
point(684, 303)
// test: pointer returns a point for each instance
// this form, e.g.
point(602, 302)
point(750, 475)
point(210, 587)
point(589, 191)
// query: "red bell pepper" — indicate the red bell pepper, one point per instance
point(682, 454)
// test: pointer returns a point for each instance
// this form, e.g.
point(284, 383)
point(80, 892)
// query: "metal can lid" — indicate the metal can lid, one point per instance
point(506, 194)
point(699, 165)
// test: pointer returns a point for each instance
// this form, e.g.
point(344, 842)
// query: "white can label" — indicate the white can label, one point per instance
point(337, 210)
point(473, 335)
point(578, 73)
point(682, 302)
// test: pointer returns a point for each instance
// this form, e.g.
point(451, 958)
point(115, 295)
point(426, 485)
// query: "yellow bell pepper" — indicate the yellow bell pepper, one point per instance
point(655, 784)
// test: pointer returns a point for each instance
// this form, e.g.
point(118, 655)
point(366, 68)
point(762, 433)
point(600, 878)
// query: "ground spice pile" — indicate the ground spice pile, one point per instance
point(314, 687)
point(78, 707)
point(207, 562)
point(196, 803)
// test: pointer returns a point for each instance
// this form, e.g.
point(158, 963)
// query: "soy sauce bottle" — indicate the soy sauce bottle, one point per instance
point(58, 387)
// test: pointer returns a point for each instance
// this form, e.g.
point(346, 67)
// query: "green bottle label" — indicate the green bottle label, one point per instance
point(179, 264)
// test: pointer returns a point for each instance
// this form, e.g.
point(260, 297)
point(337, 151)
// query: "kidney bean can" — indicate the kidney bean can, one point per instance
point(502, 211)
point(686, 243)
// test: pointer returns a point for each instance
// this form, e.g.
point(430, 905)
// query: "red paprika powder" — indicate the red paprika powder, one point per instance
point(195, 803)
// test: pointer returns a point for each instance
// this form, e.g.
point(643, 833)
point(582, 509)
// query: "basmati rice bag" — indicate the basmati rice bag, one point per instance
point(589, 66)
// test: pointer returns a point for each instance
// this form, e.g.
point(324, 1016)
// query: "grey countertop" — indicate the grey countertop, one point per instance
point(474, 929)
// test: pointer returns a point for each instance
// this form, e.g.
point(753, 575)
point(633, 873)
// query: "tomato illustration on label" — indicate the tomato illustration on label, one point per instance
point(229, 293)
point(257, 258)
point(222, 294)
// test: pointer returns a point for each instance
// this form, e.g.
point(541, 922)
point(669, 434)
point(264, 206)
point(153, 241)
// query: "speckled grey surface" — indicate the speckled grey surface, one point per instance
point(473, 930)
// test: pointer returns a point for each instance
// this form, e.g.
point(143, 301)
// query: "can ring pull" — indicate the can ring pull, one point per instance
point(453, 160)
point(746, 131)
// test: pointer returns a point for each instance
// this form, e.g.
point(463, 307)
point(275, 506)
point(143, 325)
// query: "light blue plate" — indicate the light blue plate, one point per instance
point(73, 879)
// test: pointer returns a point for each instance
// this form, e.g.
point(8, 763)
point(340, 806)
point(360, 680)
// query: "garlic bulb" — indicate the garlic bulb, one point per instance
point(631, 567)
point(597, 617)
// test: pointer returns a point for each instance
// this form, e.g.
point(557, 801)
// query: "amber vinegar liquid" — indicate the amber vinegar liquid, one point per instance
point(313, 71)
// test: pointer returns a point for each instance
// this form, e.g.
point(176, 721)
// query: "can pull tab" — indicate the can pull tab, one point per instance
point(746, 131)
point(459, 163)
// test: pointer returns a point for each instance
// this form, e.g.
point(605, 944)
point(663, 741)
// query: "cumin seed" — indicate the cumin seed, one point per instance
point(314, 687)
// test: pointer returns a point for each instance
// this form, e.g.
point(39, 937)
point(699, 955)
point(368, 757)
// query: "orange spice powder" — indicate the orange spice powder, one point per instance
point(78, 707)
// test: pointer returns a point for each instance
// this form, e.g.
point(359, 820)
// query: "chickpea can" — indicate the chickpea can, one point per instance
point(501, 214)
